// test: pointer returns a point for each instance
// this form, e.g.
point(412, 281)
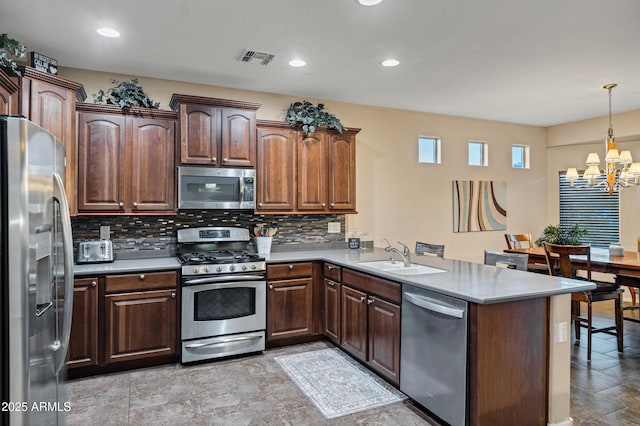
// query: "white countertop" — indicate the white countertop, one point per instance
point(473, 282)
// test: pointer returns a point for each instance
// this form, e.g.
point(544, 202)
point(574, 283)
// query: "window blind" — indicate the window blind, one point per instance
point(591, 208)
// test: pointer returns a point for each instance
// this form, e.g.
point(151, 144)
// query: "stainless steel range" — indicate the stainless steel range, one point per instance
point(224, 293)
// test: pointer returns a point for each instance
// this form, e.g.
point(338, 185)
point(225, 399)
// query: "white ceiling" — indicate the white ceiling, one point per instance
point(538, 62)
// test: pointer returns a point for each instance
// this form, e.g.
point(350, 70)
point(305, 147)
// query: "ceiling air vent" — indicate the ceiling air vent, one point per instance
point(250, 55)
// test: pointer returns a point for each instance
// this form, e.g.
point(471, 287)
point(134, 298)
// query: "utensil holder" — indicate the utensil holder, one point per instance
point(263, 245)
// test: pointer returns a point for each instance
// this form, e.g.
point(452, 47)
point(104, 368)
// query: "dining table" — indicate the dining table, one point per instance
point(626, 268)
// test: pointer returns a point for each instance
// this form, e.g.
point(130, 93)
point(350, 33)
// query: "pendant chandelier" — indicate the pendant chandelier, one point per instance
point(619, 171)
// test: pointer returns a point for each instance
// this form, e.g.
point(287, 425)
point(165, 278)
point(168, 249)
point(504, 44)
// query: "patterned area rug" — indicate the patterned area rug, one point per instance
point(337, 384)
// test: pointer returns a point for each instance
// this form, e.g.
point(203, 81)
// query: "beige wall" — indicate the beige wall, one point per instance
point(398, 198)
point(568, 146)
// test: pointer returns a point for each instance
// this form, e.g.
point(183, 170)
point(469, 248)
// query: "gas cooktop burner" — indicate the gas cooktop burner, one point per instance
point(213, 257)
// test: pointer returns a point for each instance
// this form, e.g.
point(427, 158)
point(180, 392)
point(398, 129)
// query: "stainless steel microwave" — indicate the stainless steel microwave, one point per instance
point(216, 188)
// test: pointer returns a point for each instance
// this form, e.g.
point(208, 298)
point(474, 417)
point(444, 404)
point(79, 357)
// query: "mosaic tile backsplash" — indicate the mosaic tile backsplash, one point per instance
point(133, 233)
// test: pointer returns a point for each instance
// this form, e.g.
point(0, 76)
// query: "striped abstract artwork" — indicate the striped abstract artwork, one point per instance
point(479, 205)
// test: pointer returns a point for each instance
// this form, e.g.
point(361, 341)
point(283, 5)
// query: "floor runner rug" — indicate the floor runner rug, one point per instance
point(337, 384)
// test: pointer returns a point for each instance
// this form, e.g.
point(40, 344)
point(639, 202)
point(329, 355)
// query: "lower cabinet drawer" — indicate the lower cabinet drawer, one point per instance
point(289, 270)
point(141, 281)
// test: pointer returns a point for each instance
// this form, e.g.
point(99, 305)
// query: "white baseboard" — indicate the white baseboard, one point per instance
point(568, 422)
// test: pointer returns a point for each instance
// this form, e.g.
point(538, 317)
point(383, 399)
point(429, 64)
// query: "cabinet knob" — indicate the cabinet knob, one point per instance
point(260, 204)
point(332, 205)
point(324, 205)
point(135, 204)
point(142, 276)
point(121, 204)
point(93, 283)
point(270, 287)
point(290, 267)
point(213, 159)
point(331, 283)
point(224, 160)
point(363, 298)
point(173, 294)
point(370, 301)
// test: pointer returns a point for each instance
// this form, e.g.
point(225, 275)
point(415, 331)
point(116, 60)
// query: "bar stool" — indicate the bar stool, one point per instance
point(603, 292)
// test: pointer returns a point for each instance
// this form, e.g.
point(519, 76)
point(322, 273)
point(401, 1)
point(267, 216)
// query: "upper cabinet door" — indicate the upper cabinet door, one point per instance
point(312, 172)
point(342, 172)
point(199, 126)
point(275, 169)
point(153, 164)
point(101, 162)
point(238, 147)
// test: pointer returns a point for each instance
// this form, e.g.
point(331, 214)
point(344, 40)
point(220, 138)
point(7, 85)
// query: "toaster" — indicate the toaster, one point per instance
point(95, 251)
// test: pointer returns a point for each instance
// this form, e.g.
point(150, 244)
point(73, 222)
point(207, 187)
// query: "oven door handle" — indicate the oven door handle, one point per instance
point(222, 342)
point(223, 279)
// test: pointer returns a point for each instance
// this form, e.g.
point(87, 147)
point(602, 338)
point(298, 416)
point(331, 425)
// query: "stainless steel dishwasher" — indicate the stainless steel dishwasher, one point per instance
point(433, 360)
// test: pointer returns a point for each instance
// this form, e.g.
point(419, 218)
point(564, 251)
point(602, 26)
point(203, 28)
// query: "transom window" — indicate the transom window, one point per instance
point(520, 156)
point(429, 150)
point(478, 153)
point(592, 209)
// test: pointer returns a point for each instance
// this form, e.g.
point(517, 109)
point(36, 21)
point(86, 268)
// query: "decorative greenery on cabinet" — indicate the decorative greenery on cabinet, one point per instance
point(125, 94)
point(310, 117)
point(10, 50)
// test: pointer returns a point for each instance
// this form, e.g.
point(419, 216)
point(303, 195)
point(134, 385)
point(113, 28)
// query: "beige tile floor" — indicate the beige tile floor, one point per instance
point(254, 390)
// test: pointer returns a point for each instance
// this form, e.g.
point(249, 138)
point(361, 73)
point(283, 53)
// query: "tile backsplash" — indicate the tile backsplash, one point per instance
point(145, 230)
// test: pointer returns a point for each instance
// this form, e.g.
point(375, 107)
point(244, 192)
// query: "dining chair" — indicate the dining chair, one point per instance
point(525, 241)
point(506, 260)
point(518, 240)
point(559, 262)
point(429, 249)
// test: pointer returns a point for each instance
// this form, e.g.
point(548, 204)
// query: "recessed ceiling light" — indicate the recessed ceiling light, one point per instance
point(297, 63)
point(369, 2)
point(390, 63)
point(108, 32)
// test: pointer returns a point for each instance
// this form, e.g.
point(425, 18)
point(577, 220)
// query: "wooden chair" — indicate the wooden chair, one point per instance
point(525, 241)
point(429, 249)
point(605, 291)
point(518, 240)
point(506, 260)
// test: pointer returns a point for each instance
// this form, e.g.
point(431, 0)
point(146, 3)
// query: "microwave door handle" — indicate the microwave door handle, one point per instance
point(241, 190)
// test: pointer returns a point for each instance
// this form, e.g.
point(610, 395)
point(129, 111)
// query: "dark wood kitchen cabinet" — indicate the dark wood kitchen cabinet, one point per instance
point(275, 168)
point(216, 132)
point(83, 343)
point(332, 302)
point(140, 316)
point(305, 174)
point(126, 162)
point(289, 300)
point(370, 323)
point(326, 172)
point(50, 102)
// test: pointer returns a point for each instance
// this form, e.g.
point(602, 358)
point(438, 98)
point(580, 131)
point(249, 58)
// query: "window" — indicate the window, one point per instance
point(590, 208)
point(520, 156)
point(428, 150)
point(478, 153)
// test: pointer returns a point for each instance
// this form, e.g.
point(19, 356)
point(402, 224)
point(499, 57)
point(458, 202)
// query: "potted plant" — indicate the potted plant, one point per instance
point(125, 94)
point(309, 117)
point(10, 51)
point(554, 234)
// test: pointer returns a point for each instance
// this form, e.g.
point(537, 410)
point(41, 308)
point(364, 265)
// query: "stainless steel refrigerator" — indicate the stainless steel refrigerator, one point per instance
point(36, 260)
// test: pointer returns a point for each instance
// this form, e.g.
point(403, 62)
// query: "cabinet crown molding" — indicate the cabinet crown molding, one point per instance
point(30, 72)
point(115, 109)
point(287, 125)
point(176, 100)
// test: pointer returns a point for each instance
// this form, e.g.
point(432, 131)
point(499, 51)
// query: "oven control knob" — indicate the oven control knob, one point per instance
point(254, 267)
point(244, 267)
point(195, 270)
point(232, 268)
point(218, 269)
point(205, 269)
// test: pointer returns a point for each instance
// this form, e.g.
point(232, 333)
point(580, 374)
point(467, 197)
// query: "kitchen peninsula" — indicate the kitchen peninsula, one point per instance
point(518, 365)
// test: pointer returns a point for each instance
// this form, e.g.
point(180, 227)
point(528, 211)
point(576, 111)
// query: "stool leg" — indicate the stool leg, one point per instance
point(589, 325)
point(619, 322)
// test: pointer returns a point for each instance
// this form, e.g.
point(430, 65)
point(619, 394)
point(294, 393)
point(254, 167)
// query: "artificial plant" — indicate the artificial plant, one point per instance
point(10, 51)
point(309, 117)
point(569, 236)
point(125, 94)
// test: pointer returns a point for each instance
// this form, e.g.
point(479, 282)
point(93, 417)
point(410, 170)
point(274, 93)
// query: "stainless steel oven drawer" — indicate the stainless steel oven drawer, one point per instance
point(216, 347)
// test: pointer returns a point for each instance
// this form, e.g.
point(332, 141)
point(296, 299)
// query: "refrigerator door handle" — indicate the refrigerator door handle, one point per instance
point(61, 196)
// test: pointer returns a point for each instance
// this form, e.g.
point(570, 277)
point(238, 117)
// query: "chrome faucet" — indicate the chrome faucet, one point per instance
point(405, 253)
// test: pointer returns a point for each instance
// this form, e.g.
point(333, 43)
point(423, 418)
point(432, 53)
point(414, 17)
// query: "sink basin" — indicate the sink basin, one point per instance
point(399, 268)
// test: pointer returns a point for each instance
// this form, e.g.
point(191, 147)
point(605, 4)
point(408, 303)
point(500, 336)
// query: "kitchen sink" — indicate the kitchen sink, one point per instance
point(399, 268)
